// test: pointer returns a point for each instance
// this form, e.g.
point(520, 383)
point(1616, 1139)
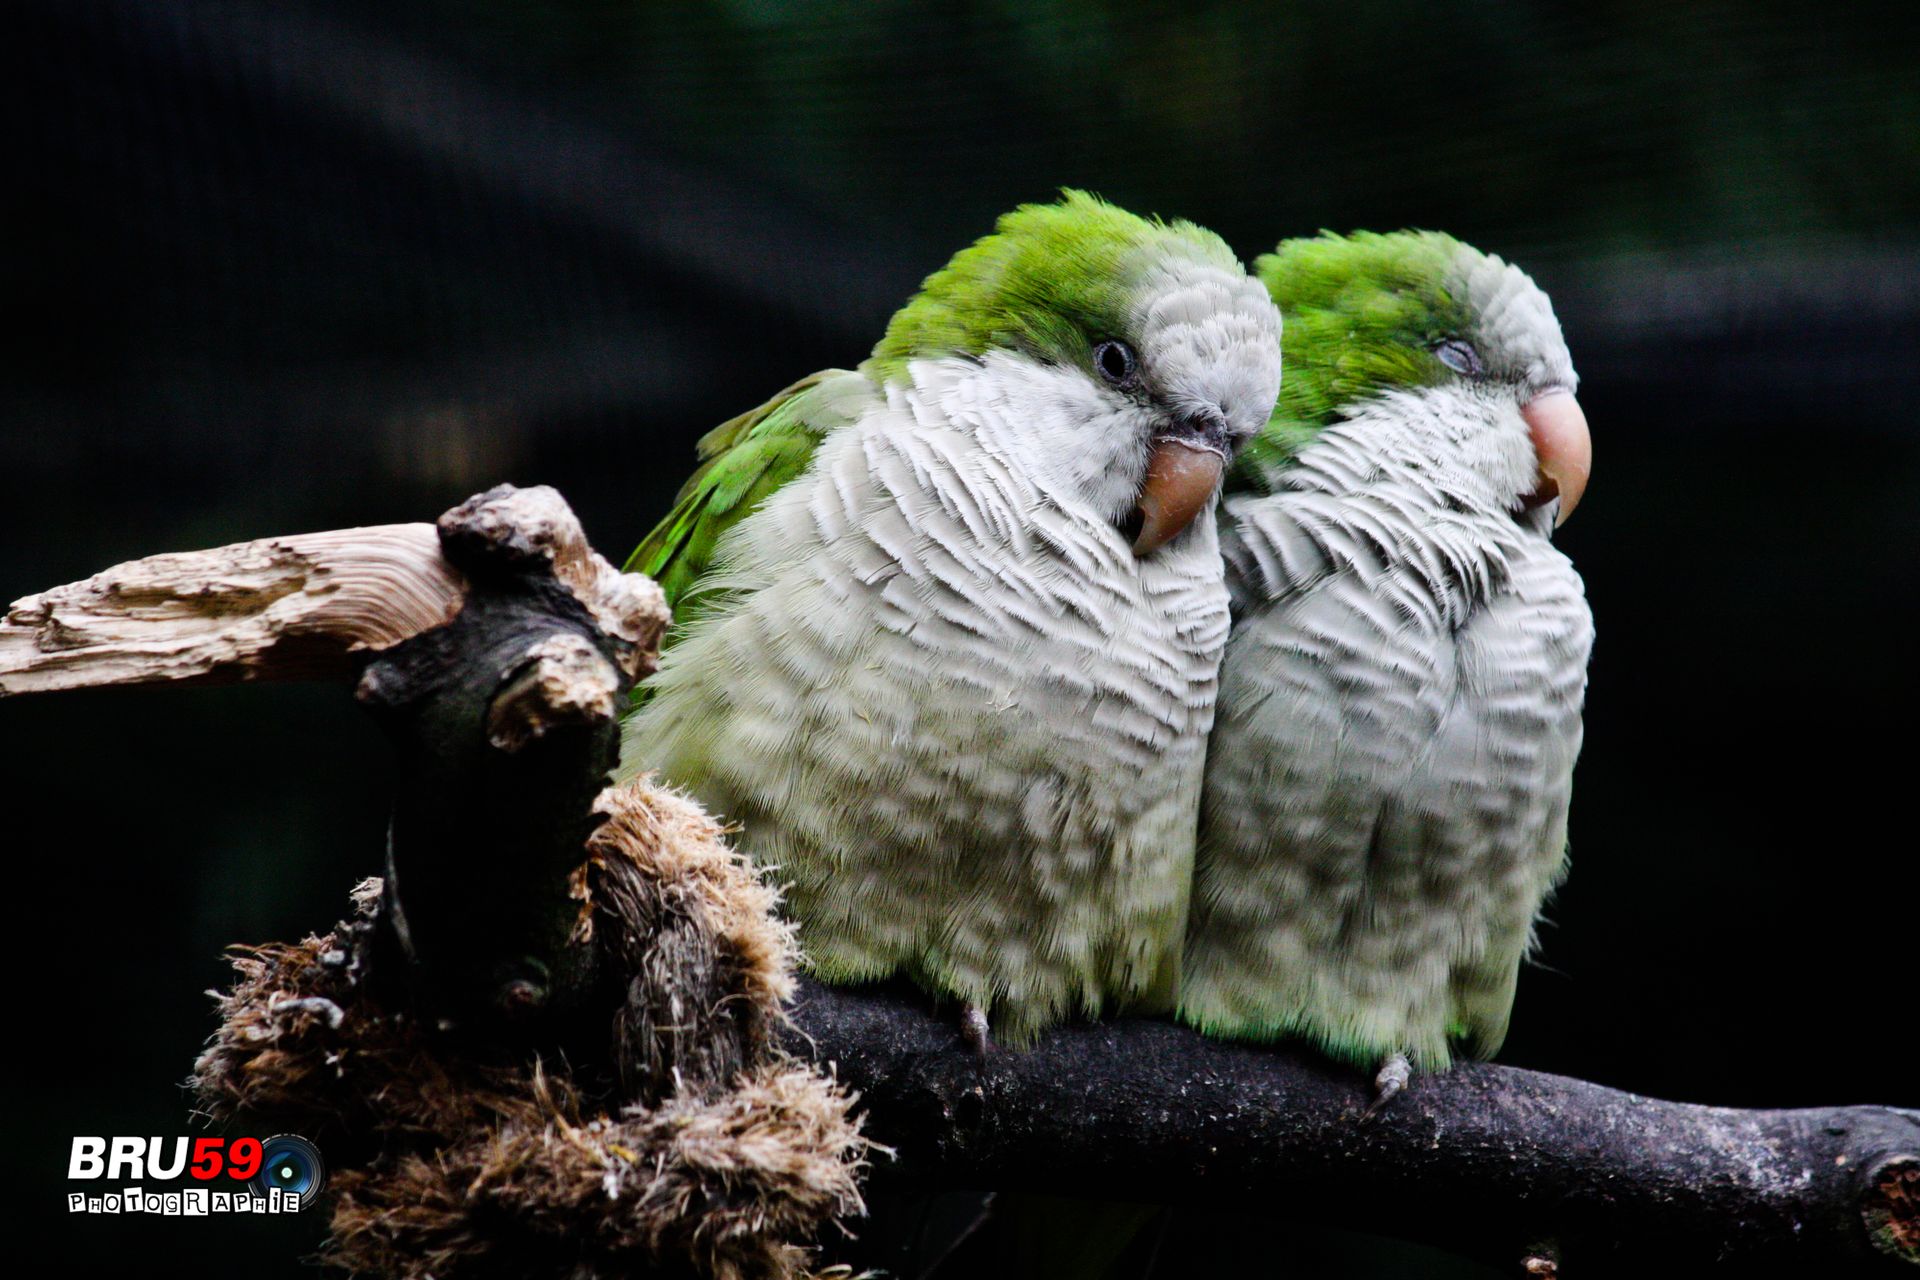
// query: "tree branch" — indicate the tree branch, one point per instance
point(1484, 1160)
point(288, 608)
point(506, 723)
point(498, 650)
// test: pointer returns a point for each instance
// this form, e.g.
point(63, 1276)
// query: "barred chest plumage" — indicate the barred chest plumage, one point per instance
point(956, 712)
point(1388, 787)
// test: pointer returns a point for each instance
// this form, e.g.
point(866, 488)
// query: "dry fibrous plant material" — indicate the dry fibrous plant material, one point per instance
point(692, 928)
point(694, 1146)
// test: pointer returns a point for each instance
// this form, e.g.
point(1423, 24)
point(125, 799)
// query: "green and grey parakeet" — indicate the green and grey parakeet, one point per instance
point(951, 623)
point(1387, 784)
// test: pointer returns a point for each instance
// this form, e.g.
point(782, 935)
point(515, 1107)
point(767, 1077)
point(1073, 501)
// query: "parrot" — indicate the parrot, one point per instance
point(1384, 810)
point(949, 624)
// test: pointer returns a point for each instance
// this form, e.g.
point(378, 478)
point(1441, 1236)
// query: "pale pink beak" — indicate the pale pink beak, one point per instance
point(1565, 450)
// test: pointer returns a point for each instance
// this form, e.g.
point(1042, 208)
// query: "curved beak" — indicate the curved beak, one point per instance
point(1183, 474)
point(1565, 450)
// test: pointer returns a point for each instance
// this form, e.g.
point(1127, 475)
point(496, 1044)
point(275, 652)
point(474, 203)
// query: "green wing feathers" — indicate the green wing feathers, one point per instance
point(744, 460)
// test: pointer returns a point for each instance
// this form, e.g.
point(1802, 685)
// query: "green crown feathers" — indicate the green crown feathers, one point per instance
point(1051, 280)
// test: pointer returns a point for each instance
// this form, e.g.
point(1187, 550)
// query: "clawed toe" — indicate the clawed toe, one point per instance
point(973, 1029)
point(1389, 1081)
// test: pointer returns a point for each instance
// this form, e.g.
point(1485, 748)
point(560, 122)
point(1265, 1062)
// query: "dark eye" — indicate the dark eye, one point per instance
point(1459, 356)
point(1116, 362)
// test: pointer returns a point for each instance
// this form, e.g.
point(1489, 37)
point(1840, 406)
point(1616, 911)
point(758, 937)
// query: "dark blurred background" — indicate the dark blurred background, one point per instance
point(285, 266)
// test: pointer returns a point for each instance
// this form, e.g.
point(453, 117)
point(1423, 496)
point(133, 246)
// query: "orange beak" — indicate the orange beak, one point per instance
point(1565, 450)
point(1182, 477)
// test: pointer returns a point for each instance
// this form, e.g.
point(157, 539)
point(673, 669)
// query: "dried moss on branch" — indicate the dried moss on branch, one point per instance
point(698, 1148)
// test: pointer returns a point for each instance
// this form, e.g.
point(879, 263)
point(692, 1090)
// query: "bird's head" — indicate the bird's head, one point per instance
point(1130, 359)
point(1414, 312)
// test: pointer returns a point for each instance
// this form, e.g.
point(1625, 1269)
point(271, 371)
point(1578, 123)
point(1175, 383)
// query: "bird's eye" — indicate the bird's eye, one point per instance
point(1116, 362)
point(1459, 356)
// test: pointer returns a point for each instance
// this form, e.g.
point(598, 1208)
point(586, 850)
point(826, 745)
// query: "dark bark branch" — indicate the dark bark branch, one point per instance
point(506, 721)
point(1484, 1159)
point(497, 653)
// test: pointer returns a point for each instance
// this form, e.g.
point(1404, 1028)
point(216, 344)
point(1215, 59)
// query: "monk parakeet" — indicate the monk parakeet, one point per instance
point(1386, 794)
point(951, 622)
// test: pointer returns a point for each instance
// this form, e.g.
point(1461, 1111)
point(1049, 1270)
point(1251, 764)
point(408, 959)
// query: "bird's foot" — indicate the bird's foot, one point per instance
point(973, 1029)
point(1389, 1081)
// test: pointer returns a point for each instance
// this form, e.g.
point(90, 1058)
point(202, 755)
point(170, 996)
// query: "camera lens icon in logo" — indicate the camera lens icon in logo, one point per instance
point(292, 1164)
